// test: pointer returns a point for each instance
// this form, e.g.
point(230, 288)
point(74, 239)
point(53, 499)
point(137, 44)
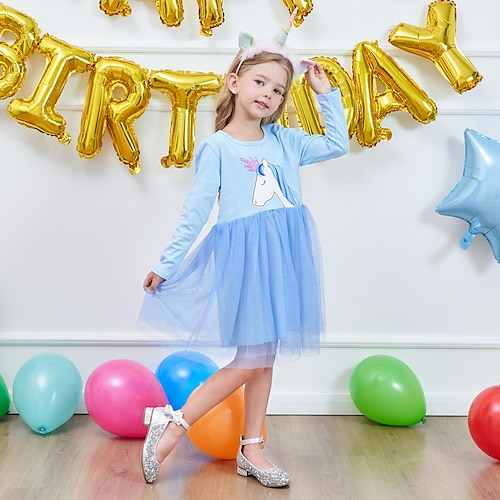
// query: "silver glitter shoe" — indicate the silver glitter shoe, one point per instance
point(272, 478)
point(157, 418)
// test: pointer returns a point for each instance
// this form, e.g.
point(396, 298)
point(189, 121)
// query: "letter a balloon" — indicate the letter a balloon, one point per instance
point(385, 390)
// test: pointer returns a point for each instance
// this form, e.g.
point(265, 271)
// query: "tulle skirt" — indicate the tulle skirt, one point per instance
point(253, 284)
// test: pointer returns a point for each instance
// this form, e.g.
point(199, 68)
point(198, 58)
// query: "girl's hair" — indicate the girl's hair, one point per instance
point(225, 106)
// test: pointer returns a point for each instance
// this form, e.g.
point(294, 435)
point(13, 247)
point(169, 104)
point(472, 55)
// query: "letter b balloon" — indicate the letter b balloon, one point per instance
point(385, 390)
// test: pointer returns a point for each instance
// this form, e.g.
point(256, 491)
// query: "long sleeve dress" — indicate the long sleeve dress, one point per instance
point(254, 282)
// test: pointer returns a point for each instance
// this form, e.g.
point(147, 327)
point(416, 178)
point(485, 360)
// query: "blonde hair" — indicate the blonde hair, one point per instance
point(225, 106)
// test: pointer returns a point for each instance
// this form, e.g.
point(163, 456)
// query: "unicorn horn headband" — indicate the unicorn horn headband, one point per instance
point(250, 48)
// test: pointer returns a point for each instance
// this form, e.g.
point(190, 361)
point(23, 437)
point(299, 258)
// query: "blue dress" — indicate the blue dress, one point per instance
point(254, 283)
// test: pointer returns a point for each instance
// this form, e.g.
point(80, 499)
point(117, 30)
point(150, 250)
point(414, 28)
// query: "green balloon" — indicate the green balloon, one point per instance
point(4, 398)
point(385, 390)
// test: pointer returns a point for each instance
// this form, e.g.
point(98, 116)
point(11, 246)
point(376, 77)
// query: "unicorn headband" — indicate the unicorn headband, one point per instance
point(250, 48)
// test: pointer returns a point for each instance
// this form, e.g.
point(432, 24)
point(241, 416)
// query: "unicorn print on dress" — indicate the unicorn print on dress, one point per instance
point(270, 181)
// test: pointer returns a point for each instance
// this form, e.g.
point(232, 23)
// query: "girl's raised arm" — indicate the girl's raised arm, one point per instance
point(317, 79)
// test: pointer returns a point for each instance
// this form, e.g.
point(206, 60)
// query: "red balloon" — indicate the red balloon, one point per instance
point(484, 421)
point(116, 394)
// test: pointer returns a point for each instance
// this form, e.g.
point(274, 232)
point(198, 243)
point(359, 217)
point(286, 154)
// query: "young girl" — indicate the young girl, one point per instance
point(255, 280)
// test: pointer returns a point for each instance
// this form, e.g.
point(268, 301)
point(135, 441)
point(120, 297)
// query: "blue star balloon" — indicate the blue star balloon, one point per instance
point(476, 197)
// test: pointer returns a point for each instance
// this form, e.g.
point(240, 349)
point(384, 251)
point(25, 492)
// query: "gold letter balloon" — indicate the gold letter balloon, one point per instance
point(304, 101)
point(304, 7)
point(117, 94)
point(113, 7)
point(13, 56)
point(185, 89)
point(118, 91)
point(437, 42)
point(39, 110)
point(305, 106)
point(171, 12)
point(401, 94)
point(210, 12)
point(338, 77)
point(211, 15)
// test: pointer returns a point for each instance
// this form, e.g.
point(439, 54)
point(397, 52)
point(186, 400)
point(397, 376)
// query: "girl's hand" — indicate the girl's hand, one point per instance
point(317, 79)
point(151, 282)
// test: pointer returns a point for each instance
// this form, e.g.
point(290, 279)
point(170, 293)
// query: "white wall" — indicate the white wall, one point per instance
point(78, 236)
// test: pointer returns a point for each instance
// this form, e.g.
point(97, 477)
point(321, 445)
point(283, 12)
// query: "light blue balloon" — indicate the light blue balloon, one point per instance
point(47, 391)
point(476, 196)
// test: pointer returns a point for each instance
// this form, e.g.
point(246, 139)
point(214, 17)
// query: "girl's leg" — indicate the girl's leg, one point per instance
point(257, 392)
point(216, 388)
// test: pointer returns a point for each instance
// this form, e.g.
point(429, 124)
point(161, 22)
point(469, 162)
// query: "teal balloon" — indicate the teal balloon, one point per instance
point(385, 390)
point(4, 398)
point(47, 391)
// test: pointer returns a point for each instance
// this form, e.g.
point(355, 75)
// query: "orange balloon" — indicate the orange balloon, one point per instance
point(218, 432)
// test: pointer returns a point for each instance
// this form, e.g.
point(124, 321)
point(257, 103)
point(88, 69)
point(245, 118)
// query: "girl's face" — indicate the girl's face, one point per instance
point(259, 90)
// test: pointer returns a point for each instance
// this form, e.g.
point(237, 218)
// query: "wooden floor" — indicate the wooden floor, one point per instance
point(327, 457)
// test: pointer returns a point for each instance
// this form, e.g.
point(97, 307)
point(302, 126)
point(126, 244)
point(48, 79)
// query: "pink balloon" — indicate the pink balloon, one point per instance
point(116, 394)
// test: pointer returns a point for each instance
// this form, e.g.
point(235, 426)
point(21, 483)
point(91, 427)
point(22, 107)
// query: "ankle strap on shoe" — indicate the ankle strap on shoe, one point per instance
point(176, 416)
point(259, 440)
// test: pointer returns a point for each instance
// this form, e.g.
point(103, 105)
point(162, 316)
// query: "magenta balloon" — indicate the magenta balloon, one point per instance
point(116, 394)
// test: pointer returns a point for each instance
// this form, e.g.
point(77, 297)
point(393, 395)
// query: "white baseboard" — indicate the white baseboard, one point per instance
point(451, 374)
point(341, 404)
